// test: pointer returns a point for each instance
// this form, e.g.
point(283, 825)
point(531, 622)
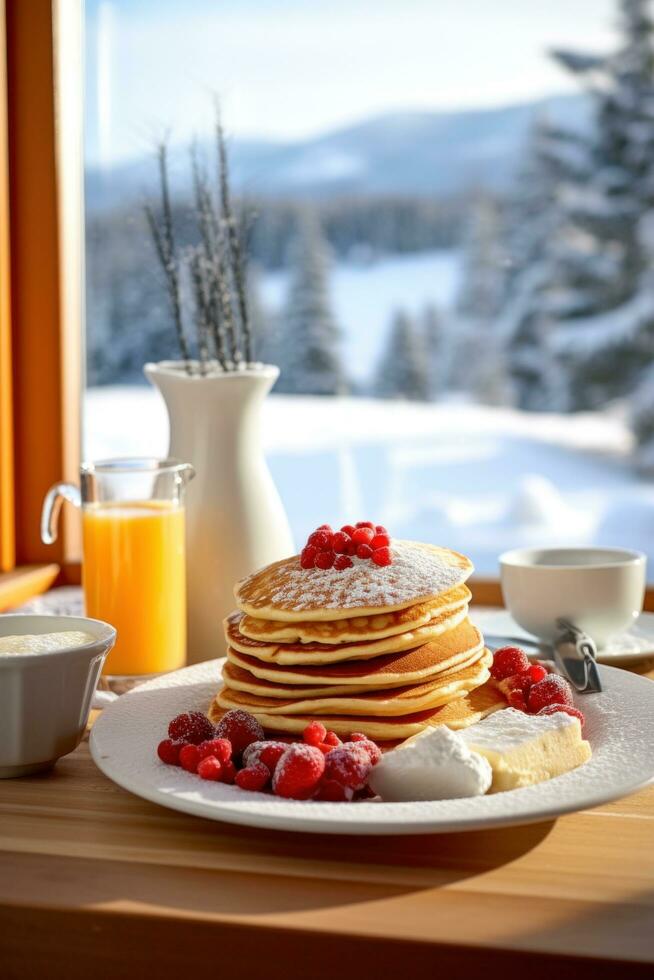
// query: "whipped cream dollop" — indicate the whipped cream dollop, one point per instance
point(434, 765)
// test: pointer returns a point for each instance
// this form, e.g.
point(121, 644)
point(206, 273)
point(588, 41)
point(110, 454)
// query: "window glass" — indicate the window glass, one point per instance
point(449, 252)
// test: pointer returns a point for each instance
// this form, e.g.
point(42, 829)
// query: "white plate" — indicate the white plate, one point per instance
point(620, 726)
point(628, 648)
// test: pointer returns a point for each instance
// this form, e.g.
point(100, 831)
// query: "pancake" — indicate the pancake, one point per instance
point(450, 651)
point(285, 591)
point(465, 711)
point(358, 628)
point(392, 701)
point(240, 679)
point(325, 653)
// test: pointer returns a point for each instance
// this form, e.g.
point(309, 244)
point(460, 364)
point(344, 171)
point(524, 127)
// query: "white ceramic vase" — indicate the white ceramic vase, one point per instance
point(235, 519)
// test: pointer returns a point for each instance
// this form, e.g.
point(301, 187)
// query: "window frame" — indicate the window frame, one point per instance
point(42, 329)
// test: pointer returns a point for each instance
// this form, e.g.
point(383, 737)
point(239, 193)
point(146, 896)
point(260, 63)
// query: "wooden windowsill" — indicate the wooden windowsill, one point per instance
point(24, 583)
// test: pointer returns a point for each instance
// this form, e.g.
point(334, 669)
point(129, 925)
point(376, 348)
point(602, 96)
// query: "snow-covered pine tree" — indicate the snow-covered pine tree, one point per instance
point(604, 309)
point(436, 354)
point(309, 355)
point(476, 367)
point(402, 370)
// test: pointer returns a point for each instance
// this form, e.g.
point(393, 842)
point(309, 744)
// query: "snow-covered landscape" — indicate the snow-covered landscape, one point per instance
point(478, 479)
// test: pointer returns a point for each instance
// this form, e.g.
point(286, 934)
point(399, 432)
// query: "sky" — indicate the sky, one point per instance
point(289, 69)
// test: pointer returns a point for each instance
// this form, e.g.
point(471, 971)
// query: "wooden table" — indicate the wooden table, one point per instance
point(97, 883)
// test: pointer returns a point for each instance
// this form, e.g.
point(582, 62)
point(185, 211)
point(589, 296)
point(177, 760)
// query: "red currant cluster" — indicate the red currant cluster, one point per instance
point(529, 687)
point(326, 548)
point(322, 767)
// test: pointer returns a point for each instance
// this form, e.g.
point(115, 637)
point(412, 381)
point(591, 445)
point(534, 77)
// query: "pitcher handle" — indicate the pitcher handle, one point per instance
point(52, 505)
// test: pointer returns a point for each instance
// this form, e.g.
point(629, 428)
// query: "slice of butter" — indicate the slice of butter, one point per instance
point(44, 642)
point(526, 749)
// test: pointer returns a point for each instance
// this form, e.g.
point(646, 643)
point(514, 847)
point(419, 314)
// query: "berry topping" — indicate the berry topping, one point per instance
point(349, 765)
point(340, 542)
point(324, 527)
point(331, 738)
point(209, 768)
point(269, 753)
point(373, 750)
point(364, 551)
point(241, 728)
point(351, 548)
point(366, 524)
point(192, 726)
point(299, 771)
point(308, 556)
point(380, 541)
point(168, 751)
point(363, 535)
point(219, 748)
point(314, 733)
point(189, 756)
point(348, 529)
point(553, 689)
point(516, 699)
point(341, 562)
point(333, 792)
point(537, 673)
point(380, 529)
point(382, 556)
point(227, 772)
point(325, 559)
point(552, 709)
point(507, 661)
point(322, 540)
point(253, 777)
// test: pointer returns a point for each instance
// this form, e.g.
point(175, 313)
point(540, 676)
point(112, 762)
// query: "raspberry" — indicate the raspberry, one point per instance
point(507, 661)
point(298, 771)
point(325, 527)
point(269, 753)
point(364, 551)
point(227, 772)
point(331, 738)
point(380, 541)
point(348, 529)
point(553, 689)
point(314, 733)
point(342, 562)
point(373, 750)
point(366, 524)
point(308, 556)
point(351, 548)
point(325, 559)
point(322, 540)
point(189, 756)
point(219, 748)
point(349, 765)
point(551, 709)
point(537, 673)
point(333, 792)
point(241, 728)
point(209, 768)
point(340, 542)
point(516, 699)
point(324, 747)
point(380, 529)
point(192, 726)
point(382, 556)
point(517, 682)
point(363, 535)
point(168, 751)
point(253, 777)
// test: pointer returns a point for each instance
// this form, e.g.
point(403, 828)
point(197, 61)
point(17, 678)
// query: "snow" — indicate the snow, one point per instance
point(364, 298)
point(472, 478)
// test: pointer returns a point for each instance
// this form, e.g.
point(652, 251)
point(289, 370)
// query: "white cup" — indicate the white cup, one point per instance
point(600, 590)
point(45, 698)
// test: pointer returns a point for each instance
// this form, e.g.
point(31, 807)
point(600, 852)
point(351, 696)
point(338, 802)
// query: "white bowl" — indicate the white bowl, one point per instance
point(600, 590)
point(45, 698)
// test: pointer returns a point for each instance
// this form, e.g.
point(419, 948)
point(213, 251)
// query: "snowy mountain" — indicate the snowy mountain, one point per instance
point(405, 153)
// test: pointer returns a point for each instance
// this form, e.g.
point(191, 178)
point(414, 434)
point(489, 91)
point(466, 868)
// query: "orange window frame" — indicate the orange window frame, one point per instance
point(41, 291)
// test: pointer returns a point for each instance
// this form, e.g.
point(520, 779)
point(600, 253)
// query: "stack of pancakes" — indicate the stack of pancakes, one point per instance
point(387, 650)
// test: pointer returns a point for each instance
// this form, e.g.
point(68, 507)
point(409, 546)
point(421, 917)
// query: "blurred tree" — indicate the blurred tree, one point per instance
point(402, 371)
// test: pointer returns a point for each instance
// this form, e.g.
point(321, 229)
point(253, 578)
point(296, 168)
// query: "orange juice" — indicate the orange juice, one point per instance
point(135, 578)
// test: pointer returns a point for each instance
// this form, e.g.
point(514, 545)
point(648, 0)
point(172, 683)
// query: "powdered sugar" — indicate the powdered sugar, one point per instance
point(416, 573)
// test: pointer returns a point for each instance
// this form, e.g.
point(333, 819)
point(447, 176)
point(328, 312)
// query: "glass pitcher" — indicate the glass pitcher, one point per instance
point(134, 567)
